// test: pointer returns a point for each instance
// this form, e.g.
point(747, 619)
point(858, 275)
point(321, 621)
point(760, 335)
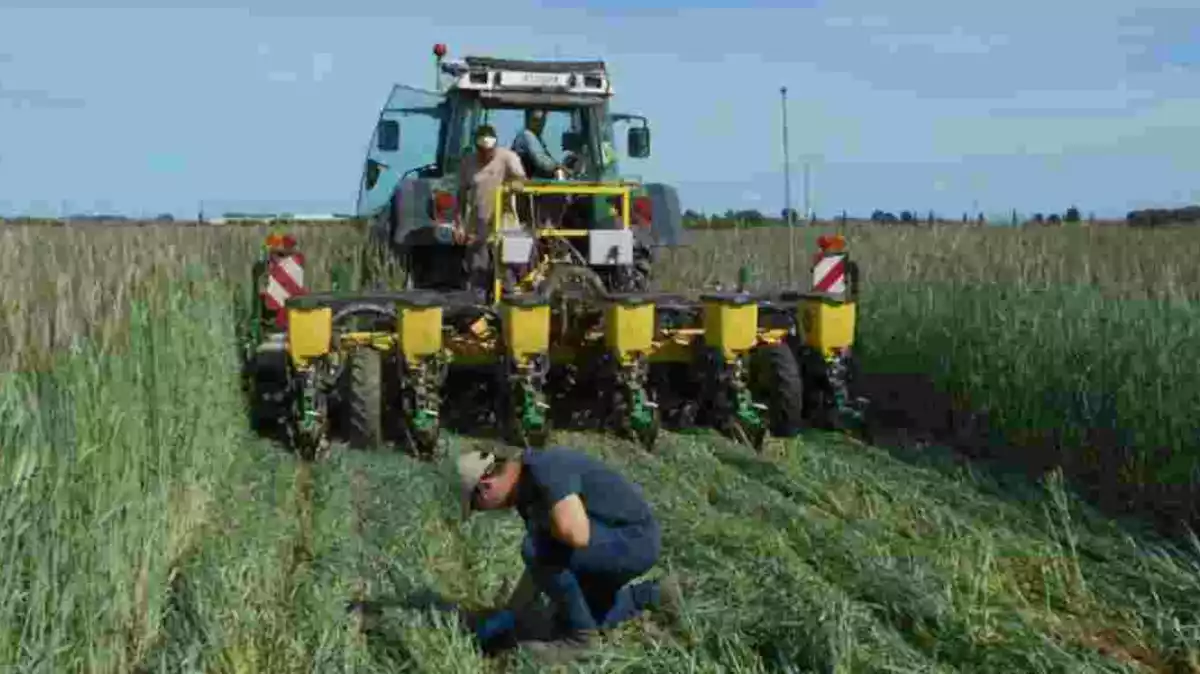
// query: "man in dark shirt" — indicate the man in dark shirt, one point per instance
point(589, 533)
point(529, 146)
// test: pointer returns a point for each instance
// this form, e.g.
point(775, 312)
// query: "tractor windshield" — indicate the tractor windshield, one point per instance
point(568, 135)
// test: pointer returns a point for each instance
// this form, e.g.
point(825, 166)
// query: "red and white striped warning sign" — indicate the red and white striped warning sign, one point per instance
point(285, 279)
point(829, 274)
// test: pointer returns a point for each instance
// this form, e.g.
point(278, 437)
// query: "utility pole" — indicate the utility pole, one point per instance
point(787, 191)
point(808, 213)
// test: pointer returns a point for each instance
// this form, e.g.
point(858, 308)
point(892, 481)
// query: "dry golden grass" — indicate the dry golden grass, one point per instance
point(63, 283)
point(1122, 262)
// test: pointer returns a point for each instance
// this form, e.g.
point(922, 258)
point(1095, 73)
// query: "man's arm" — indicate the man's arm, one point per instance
point(562, 487)
point(516, 171)
point(569, 522)
point(465, 170)
point(536, 151)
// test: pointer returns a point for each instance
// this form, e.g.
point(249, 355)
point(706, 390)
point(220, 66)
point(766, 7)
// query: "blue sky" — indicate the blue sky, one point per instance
point(940, 105)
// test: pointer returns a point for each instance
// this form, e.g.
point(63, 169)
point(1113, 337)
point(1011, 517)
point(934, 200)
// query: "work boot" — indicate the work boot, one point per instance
point(536, 623)
point(563, 649)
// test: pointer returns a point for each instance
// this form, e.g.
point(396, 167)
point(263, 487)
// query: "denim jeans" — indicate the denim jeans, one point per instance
point(590, 587)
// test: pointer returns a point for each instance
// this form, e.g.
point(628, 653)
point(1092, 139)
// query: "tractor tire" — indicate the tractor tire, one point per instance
point(392, 423)
point(363, 400)
point(266, 382)
point(643, 269)
point(778, 383)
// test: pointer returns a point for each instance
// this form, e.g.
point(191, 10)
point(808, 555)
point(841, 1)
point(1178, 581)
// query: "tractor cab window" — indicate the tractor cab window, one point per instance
point(612, 152)
point(419, 116)
point(418, 139)
point(616, 138)
point(560, 125)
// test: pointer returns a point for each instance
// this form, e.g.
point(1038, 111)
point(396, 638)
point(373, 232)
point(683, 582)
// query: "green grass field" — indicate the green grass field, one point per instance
point(145, 529)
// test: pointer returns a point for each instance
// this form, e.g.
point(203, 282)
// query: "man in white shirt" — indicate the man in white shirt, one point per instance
point(481, 173)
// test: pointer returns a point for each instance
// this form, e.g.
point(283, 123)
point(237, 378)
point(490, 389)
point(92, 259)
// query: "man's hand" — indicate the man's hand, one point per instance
point(569, 522)
point(495, 626)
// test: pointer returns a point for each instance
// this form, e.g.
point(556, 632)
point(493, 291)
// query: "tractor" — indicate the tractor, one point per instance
point(567, 326)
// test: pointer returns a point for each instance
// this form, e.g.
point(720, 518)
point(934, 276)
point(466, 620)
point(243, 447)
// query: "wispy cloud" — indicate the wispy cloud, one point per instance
point(34, 99)
point(954, 42)
point(1161, 37)
point(322, 66)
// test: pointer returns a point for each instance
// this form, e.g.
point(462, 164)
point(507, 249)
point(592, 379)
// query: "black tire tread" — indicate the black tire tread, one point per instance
point(363, 400)
point(782, 388)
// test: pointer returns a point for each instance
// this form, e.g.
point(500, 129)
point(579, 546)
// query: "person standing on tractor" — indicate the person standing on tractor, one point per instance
point(481, 174)
point(589, 534)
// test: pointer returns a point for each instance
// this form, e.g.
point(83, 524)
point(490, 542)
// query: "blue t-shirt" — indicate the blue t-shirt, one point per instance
point(535, 156)
point(553, 474)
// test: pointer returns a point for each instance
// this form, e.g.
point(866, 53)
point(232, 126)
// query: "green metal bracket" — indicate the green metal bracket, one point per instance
point(847, 413)
point(308, 408)
point(532, 417)
point(744, 278)
point(341, 277)
point(425, 420)
point(746, 411)
point(641, 417)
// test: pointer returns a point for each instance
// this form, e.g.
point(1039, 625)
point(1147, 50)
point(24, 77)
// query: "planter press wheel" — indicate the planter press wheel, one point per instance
point(362, 399)
point(776, 378)
point(363, 390)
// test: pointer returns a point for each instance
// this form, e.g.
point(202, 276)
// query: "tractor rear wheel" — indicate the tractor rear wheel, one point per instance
point(777, 382)
point(362, 399)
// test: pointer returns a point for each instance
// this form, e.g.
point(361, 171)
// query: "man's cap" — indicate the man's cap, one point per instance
point(473, 465)
point(485, 131)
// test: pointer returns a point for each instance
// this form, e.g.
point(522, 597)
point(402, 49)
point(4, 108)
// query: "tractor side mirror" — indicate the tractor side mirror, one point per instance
point(572, 141)
point(387, 135)
point(638, 142)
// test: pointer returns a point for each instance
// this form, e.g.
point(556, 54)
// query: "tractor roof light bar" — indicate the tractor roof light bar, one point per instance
point(490, 74)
